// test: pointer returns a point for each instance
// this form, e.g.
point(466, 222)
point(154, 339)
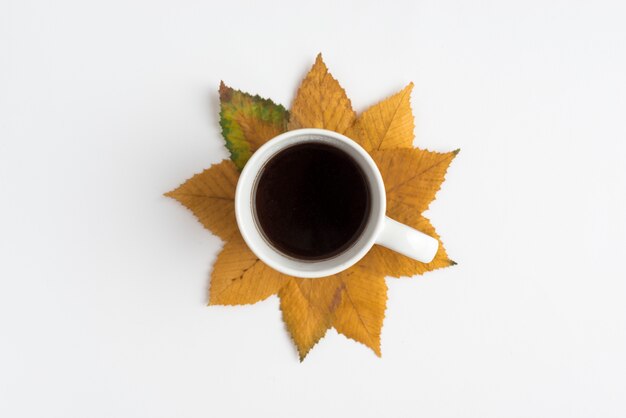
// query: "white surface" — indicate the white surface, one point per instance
point(106, 105)
point(288, 265)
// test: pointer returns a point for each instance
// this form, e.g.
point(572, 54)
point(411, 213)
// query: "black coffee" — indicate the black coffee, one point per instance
point(312, 201)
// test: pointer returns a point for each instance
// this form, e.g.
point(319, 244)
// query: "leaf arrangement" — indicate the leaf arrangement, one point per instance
point(353, 301)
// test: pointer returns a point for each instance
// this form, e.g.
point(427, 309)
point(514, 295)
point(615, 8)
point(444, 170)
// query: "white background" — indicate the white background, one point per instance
point(106, 105)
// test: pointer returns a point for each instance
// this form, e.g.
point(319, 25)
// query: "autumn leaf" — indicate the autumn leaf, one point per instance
point(384, 261)
point(307, 306)
point(248, 122)
point(362, 309)
point(321, 102)
point(386, 125)
point(210, 196)
point(412, 177)
point(240, 278)
point(353, 301)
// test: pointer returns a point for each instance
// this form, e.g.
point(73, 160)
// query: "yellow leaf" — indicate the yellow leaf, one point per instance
point(388, 124)
point(384, 261)
point(307, 306)
point(412, 177)
point(240, 278)
point(210, 196)
point(321, 102)
point(352, 301)
point(361, 312)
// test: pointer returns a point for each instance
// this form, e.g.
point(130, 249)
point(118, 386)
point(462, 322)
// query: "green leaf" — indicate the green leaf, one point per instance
point(248, 122)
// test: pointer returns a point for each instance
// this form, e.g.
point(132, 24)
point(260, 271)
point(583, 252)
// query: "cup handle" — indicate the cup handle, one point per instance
point(407, 241)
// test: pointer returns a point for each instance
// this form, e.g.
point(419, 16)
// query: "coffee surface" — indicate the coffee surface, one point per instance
point(312, 201)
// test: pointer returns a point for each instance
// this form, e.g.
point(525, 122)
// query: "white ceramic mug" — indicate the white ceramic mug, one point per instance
point(379, 229)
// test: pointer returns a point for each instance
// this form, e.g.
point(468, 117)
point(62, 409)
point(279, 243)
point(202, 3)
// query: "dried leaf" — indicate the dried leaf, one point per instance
point(307, 306)
point(248, 122)
point(240, 278)
point(384, 261)
point(386, 125)
point(361, 312)
point(412, 177)
point(210, 196)
point(321, 102)
point(353, 301)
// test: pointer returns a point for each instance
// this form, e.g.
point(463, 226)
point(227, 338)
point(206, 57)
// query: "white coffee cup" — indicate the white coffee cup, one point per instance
point(379, 229)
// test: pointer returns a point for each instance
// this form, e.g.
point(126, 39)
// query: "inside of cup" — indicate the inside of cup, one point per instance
point(286, 215)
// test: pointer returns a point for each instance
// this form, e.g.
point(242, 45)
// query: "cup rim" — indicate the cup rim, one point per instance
point(244, 208)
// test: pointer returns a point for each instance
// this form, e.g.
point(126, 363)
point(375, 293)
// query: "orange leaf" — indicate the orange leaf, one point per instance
point(384, 261)
point(412, 177)
point(321, 102)
point(361, 312)
point(352, 301)
point(240, 278)
point(307, 306)
point(210, 196)
point(388, 124)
